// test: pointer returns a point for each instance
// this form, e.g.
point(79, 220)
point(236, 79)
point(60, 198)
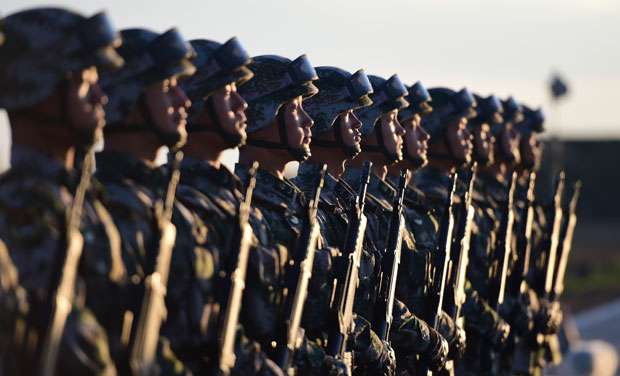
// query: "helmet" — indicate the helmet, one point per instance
point(448, 106)
point(339, 92)
point(418, 99)
point(388, 96)
point(217, 65)
point(488, 111)
point(149, 58)
point(276, 81)
point(513, 113)
point(533, 121)
point(43, 44)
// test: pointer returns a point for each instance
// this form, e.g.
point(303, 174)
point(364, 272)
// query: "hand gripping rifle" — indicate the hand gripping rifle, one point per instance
point(524, 242)
point(564, 249)
point(459, 254)
point(440, 266)
point(499, 266)
point(297, 276)
point(234, 283)
point(62, 298)
point(384, 303)
point(347, 273)
point(143, 342)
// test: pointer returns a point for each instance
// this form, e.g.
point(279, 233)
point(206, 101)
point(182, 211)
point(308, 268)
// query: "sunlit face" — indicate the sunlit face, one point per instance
point(392, 133)
point(167, 104)
point(460, 140)
point(230, 109)
point(298, 124)
point(531, 151)
point(510, 140)
point(85, 101)
point(415, 141)
point(349, 129)
point(483, 142)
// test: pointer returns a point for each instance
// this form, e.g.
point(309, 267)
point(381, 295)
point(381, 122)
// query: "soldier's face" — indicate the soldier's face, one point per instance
point(349, 129)
point(531, 151)
point(460, 140)
point(416, 139)
point(392, 133)
point(230, 109)
point(298, 124)
point(484, 141)
point(510, 140)
point(85, 101)
point(167, 103)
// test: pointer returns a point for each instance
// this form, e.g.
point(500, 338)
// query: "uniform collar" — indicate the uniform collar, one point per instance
point(306, 181)
point(193, 168)
point(30, 161)
point(434, 183)
point(271, 188)
point(111, 164)
point(413, 196)
point(377, 188)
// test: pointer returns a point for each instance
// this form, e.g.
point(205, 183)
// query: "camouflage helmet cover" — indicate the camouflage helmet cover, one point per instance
point(488, 111)
point(42, 45)
point(339, 92)
point(533, 121)
point(418, 98)
point(388, 96)
point(149, 58)
point(513, 114)
point(276, 81)
point(217, 65)
point(448, 106)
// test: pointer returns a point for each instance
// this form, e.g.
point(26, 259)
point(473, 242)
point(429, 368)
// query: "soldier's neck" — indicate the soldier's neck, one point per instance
point(211, 154)
point(272, 160)
point(142, 145)
point(378, 163)
point(445, 165)
point(333, 157)
point(57, 143)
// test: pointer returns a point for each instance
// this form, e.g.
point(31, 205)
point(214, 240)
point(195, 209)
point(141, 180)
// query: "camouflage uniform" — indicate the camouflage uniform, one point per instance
point(34, 196)
point(215, 195)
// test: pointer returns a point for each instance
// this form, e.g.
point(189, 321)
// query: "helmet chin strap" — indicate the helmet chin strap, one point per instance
point(299, 154)
point(231, 140)
point(391, 158)
point(350, 151)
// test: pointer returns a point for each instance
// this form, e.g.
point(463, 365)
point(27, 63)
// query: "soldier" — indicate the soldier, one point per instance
point(449, 149)
point(216, 122)
point(335, 140)
point(278, 133)
point(146, 111)
point(382, 138)
point(48, 85)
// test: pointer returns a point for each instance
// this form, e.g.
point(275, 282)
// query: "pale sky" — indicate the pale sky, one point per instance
point(505, 47)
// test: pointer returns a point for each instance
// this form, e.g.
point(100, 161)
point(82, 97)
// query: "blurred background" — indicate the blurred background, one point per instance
point(506, 47)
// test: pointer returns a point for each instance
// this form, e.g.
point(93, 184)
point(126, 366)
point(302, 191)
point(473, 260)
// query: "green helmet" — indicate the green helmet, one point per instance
point(533, 121)
point(448, 106)
point(488, 111)
point(149, 58)
point(388, 96)
point(217, 65)
point(43, 44)
point(276, 81)
point(339, 92)
point(418, 98)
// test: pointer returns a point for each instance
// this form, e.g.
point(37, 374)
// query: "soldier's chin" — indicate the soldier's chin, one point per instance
point(301, 154)
point(87, 139)
point(174, 140)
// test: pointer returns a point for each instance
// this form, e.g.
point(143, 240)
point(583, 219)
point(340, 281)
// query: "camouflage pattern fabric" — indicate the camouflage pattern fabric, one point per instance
point(34, 197)
point(214, 195)
point(134, 189)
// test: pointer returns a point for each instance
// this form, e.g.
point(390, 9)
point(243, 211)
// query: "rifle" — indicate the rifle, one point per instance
point(347, 273)
point(440, 266)
point(554, 228)
point(499, 269)
point(460, 252)
point(388, 273)
point(143, 342)
point(565, 248)
point(234, 284)
point(62, 298)
point(298, 274)
point(524, 242)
